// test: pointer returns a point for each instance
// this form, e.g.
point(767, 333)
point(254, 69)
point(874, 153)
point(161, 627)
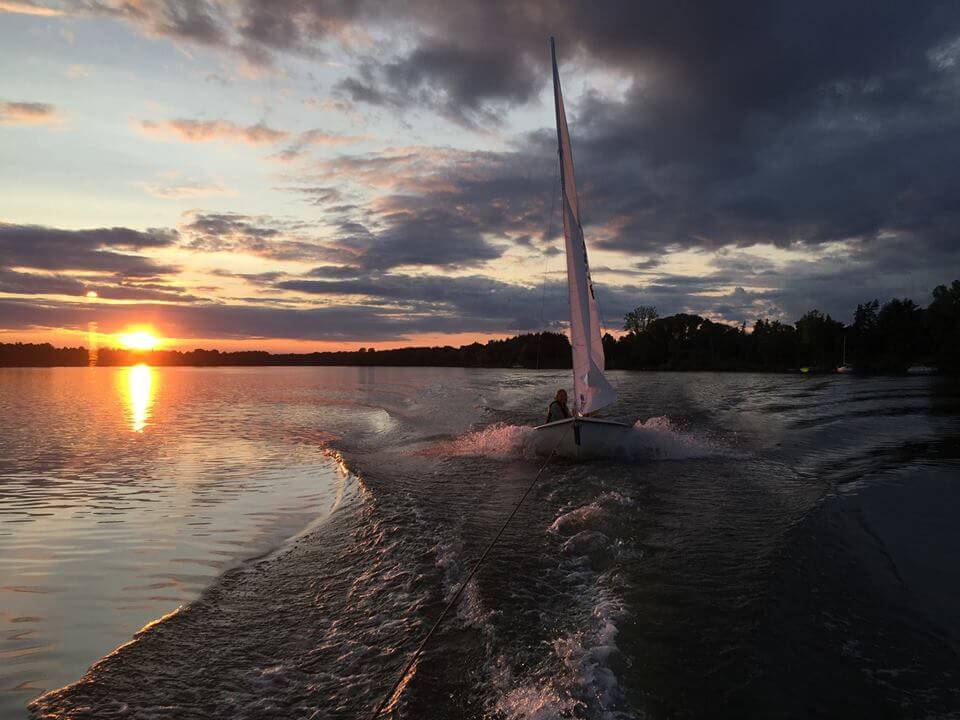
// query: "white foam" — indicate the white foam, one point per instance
point(589, 517)
point(498, 441)
point(577, 678)
point(656, 438)
point(583, 684)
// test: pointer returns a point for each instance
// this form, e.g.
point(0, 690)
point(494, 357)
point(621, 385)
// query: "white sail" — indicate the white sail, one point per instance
point(591, 390)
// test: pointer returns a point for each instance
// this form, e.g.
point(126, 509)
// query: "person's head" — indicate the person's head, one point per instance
point(562, 396)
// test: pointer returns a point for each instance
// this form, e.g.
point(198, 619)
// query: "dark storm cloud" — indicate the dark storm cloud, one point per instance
point(335, 271)
point(403, 236)
point(767, 122)
point(467, 84)
point(46, 248)
point(472, 296)
point(433, 236)
point(475, 299)
point(446, 208)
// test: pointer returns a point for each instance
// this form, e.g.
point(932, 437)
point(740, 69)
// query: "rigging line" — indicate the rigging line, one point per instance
point(546, 259)
point(392, 696)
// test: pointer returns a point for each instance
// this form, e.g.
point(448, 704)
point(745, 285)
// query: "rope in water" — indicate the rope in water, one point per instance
point(390, 697)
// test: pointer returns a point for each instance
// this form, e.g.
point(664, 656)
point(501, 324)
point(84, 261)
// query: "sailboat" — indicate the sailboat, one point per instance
point(844, 368)
point(579, 436)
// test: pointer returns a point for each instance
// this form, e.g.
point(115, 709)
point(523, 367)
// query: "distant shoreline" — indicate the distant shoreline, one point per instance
point(897, 338)
point(691, 371)
point(549, 351)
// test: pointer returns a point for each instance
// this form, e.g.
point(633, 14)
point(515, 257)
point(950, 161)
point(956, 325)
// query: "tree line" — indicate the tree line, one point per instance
point(888, 338)
point(882, 338)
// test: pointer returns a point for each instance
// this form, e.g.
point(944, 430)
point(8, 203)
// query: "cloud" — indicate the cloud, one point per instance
point(107, 287)
point(316, 137)
point(471, 299)
point(471, 85)
point(76, 72)
point(201, 21)
point(404, 234)
point(831, 133)
point(183, 190)
point(26, 7)
point(320, 195)
point(74, 262)
point(262, 236)
point(432, 236)
point(337, 322)
point(98, 249)
point(720, 138)
point(21, 283)
point(442, 207)
point(208, 130)
point(27, 113)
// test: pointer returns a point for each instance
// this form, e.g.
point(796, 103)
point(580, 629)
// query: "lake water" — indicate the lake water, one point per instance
point(768, 546)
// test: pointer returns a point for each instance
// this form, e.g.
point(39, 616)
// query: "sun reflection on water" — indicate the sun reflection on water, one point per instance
point(139, 395)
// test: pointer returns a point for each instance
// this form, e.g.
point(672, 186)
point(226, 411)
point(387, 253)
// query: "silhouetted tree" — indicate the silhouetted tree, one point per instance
point(943, 326)
point(903, 338)
point(638, 320)
point(775, 345)
point(820, 340)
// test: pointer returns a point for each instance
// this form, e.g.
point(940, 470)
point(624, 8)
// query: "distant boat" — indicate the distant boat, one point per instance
point(921, 370)
point(579, 436)
point(844, 368)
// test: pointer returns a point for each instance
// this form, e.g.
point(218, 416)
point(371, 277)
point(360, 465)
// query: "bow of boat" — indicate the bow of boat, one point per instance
point(581, 438)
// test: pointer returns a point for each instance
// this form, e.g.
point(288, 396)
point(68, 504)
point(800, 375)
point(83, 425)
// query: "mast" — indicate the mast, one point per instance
point(591, 389)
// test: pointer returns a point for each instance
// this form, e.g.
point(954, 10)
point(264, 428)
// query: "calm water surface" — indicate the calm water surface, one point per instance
point(766, 546)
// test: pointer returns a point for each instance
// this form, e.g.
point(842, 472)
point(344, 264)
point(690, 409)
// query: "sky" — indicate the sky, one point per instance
point(297, 175)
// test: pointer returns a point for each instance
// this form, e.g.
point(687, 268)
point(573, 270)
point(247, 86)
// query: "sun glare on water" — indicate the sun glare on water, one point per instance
point(138, 340)
point(139, 395)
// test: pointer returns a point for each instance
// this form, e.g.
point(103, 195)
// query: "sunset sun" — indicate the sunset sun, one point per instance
point(138, 340)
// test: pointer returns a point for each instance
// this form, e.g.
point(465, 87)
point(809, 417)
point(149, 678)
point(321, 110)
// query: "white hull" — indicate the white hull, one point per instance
point(581, 438)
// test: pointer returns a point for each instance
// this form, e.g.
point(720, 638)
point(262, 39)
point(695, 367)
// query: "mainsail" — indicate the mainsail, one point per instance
point(590, 388)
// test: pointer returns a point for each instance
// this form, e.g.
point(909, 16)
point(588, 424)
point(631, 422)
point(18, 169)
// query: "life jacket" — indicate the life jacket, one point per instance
point(561, 412)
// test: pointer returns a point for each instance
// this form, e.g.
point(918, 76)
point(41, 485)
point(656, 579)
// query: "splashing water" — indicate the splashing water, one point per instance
point(499, 442)
point(656, 438)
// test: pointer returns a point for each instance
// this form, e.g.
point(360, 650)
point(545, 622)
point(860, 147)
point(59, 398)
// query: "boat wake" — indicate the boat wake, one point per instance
point(562, 659)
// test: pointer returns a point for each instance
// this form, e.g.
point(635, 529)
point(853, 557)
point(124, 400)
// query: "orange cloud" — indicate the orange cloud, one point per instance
point(207, 130)
point(27, 8)
point(27, 113)
point(415, 168)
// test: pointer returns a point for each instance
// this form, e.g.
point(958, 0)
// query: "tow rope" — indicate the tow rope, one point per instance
point(390, 699)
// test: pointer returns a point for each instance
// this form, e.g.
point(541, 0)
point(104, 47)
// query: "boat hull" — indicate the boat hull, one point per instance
point(581, 438)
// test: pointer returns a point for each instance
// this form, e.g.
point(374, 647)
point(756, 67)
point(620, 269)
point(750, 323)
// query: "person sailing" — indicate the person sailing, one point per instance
point(558, 408)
